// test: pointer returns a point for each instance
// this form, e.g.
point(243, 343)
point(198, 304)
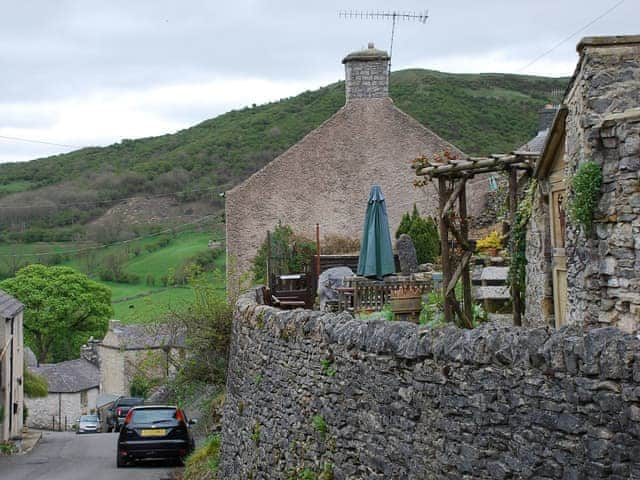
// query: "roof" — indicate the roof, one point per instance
point(140, 337)
point(369, 54)
point(70, 376)
point(9, 306)
point(535, 145)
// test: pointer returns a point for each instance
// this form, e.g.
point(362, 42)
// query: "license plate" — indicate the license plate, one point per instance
point(156, 432)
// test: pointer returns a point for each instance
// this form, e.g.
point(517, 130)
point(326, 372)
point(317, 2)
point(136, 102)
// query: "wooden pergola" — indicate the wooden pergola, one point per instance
point(452, 175)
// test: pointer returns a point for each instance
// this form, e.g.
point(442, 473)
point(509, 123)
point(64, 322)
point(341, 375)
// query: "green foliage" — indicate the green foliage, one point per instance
point(518, 240)
point(203, 463)
point(7, 448)
point(423, 232)
point(35, 386)
point(289, 253)
point(432, 314)
point(492, 240)
point(141, 385)
point(327, 368)
point(63, 308)
point(207, 323)
point(320, 424)
point(255, 433)
point(585, 190)
point(2, 413)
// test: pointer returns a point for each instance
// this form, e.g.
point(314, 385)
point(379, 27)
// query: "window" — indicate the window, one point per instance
point(83, 398)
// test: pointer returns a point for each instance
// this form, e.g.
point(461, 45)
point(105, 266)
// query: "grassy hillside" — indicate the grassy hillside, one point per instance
point(480, 114)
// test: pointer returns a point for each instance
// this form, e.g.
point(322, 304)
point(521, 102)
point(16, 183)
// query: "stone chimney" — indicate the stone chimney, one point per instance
point(367, 73)
point(89, 351)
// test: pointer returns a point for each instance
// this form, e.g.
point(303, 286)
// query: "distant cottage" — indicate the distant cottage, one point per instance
point(73, 389)
point(325, 178)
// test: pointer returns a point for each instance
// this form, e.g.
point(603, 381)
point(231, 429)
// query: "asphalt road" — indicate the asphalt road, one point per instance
point(67, 456)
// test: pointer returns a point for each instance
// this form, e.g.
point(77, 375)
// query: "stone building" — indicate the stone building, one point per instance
point(326, 177)
point(129, 350)
point(74, 386)
point(11, 366)
point(575, 273)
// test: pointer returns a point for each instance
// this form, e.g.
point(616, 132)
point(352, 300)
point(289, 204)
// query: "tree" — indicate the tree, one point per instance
point(423, 232)
point(63, 308)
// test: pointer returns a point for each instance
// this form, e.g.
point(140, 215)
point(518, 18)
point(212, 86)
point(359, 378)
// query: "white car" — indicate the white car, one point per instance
point(89, 424)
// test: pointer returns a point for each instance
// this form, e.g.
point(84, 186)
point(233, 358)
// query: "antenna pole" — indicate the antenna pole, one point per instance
point(394, 16)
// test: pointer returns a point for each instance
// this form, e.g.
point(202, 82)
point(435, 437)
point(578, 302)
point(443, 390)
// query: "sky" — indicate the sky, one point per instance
point(87, 73)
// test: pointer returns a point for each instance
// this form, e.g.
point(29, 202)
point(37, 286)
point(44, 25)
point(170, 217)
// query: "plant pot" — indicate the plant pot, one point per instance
point(407, 306)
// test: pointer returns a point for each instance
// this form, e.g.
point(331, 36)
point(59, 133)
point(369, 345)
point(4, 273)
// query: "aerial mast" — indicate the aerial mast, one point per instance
point(393, 15)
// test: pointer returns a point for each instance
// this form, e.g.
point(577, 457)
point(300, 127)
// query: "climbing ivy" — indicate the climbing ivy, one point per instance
point(518, 240)
point(585, 189)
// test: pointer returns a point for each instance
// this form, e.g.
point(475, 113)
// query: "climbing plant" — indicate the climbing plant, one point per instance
point(518, 240)
point(585, 189)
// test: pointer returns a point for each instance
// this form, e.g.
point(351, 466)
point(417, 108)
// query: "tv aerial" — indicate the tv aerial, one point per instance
point(393, 15)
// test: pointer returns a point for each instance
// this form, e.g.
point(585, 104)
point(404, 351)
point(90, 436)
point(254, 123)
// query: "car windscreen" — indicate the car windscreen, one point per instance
point(89, 418)
point(126, 402)
point(154, 415)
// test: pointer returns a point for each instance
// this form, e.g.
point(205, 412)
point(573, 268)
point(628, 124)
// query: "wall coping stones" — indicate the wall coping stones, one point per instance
point(606, 352)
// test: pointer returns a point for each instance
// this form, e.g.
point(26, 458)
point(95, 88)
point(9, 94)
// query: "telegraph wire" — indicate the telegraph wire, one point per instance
point(122, 242)
point(580, 30)
point(43, 142)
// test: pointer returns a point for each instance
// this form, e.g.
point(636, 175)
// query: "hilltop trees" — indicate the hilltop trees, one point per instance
point(62, 309)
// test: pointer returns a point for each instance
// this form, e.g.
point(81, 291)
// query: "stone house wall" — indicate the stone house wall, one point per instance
point(42, 411)
point(600, 266)
point(112, 375)
point(392, 400)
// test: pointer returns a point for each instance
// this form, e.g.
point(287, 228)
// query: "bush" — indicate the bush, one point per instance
point(203, 463)
point(339, 244)
point(585, 189)
point(423, 232)
point(493, 240)
point(35, 386)
point(290, 253)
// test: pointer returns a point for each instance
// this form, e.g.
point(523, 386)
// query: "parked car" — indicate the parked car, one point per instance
point(89, 424)
point(160, 431)
point(119, 411)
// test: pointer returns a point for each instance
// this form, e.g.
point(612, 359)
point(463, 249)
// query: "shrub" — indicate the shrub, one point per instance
point(423, 232)
point(204, 461)
point(585, 189)
point(289, 253)
point(340, 244)
point(35, 386)
point(493, 240)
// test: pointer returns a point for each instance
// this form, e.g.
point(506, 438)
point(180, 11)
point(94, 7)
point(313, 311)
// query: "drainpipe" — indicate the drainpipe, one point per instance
point(11, 381)
point(59, 411)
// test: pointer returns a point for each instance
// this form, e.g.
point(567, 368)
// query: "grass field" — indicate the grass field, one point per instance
point(137, 302)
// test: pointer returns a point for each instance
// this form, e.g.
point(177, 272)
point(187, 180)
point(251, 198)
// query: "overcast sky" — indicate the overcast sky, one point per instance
point(86, 72)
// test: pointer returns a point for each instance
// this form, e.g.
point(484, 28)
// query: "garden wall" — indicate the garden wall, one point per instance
point(313, 395)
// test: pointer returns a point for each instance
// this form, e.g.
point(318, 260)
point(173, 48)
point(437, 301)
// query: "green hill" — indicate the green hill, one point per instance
point(483, 113)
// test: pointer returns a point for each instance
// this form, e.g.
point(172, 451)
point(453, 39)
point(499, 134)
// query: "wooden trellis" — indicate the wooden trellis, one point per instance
point(452, 175)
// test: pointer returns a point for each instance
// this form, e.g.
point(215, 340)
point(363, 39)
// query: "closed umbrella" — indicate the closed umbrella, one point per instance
point(376, 254)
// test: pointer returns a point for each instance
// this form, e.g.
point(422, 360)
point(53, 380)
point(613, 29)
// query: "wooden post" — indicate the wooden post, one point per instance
point(444, 247)
point(269, 261)
point(464, 231)
point(513, 208)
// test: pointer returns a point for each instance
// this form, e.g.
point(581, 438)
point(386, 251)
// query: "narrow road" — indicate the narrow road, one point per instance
point(67, 456)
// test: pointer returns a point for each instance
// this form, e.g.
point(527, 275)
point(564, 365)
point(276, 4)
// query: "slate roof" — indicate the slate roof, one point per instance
point(70, 376)
point(135, 337)
point(9, 306)
point(535, 145)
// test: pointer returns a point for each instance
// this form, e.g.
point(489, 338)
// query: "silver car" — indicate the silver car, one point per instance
point(89, 424)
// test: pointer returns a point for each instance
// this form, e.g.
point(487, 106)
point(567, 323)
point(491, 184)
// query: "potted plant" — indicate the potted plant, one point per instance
point(406, 300)
point(490, 244)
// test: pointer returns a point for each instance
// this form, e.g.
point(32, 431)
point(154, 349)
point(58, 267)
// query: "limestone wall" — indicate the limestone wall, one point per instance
point(384, 400)
point(366, 79)
point(602, 264)
point(42, 411)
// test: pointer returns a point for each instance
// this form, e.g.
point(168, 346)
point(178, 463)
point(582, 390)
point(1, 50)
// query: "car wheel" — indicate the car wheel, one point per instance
point(120, 462)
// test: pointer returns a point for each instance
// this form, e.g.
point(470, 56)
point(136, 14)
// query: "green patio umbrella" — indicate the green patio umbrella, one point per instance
point(376, 254)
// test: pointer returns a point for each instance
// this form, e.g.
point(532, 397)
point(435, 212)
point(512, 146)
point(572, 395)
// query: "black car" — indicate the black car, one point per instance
point(154, 432)
point(119, 410)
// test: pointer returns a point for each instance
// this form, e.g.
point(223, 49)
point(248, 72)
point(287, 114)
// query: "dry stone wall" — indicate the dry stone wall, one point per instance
point(326, 395)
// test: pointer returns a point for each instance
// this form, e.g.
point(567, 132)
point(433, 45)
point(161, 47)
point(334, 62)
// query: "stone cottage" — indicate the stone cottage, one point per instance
point(74, 386)
point(577, 273)
point(326, 177)
point(11, 366)
point(130, 350)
